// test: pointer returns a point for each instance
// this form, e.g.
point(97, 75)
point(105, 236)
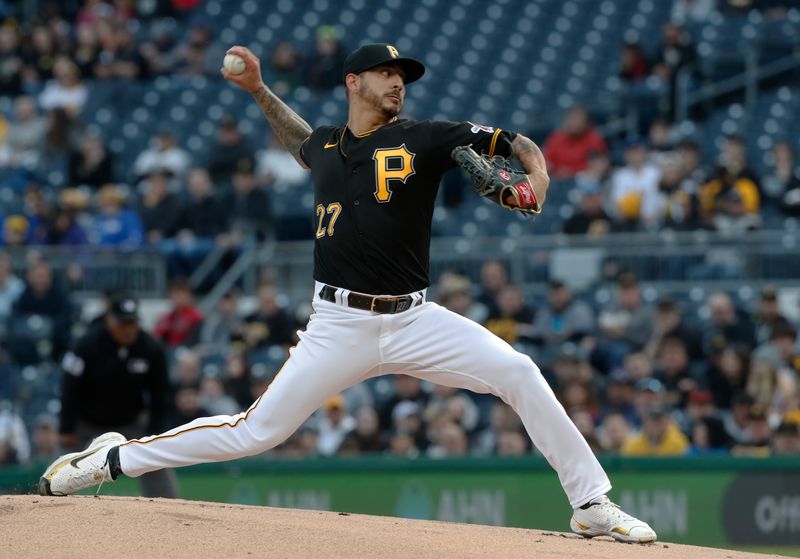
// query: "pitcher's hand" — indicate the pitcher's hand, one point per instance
point(249, 80)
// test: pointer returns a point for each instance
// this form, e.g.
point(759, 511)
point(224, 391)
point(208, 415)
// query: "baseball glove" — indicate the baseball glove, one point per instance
point(494, 178)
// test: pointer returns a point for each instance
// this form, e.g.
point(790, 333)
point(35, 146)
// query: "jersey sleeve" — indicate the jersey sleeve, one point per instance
point(446, 135)
point(313, 145)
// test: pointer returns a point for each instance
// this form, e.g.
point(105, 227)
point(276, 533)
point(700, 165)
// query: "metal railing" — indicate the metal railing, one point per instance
point(673, 260)
point(93, 270)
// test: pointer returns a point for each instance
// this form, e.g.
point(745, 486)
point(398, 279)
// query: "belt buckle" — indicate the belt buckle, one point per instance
point(372, 304)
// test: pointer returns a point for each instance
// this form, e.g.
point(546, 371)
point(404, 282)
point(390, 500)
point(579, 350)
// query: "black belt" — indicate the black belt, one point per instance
point(380, 305)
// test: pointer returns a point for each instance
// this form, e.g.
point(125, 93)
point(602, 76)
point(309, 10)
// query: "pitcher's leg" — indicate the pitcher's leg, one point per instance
point(328, 359)
point(445, 348)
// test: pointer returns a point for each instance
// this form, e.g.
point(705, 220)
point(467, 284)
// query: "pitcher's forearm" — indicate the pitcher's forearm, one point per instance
point(290, 128)
point(534, 164)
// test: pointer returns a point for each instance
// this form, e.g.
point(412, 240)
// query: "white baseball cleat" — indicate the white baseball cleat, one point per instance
point(604, 518)
point(79, 470)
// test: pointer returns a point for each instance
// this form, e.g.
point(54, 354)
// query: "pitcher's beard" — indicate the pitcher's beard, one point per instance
point(383, 104)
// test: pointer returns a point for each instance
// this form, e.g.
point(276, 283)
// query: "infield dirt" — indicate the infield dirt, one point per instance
point(33, 527)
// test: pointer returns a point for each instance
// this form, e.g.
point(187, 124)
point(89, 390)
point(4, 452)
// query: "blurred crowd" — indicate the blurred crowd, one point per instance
point(637, 378)
point(169, 199)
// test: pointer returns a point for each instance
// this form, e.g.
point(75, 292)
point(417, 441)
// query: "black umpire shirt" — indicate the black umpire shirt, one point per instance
point(374, 195)
point(110, 385)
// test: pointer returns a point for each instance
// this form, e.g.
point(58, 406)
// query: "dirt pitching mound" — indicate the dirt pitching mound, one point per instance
point(103, 527)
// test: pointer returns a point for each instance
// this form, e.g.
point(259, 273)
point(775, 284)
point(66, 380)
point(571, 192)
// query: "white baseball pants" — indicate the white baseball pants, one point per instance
point(343, 346)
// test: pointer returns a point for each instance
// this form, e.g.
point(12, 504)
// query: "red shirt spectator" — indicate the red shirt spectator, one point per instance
point(567, 149)
point(179, 327)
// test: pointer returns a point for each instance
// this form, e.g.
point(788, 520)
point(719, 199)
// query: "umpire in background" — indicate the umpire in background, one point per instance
point(115, 379)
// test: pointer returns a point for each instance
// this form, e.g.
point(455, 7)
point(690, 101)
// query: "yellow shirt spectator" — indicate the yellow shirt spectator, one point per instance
point(746, 189)
point(660, 436)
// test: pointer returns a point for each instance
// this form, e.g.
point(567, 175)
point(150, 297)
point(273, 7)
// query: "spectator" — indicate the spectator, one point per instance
point(613, 433)
point(634, 187)
point(366, 437)
point(213, 398)
point(199, 54)
point(726, 325)
point(116, 376)
point(238, 378)
point(14, 445)
point(115, 225)
point(567, 149)
point(270, 324)
point(181, 325)
point(502, 419)
point(91, 164)
point(669, 323)
point(512, 443)
point(584, 421)
point(768, 315)
point(493, 278)
point(619, 396)
point(783, 183)
point(199, 223)
point(187, 406)
point(11, 63)
point(43, 297)
point(591, 218)
point(679, 208)
point(26, 134)
point(66, 91)
point(45, 439)
point(456, 405)
point(163, 155)
point(626, 324)
point(693, 170)
point(119, 57)
point(735, 421)
point(325, 66)
point(251, 219)
point(221, 325)
point(732, 217)
point(231, 152)
point(660, 436)
point(455, 294)
point(277, 168)
point(691, 11)
point(402, 444)
point(158, 208)
point(675, 53)
point(786, 439)
point(333, 426)
point(708, 435)
point(675, 372)
point(758, 435)
point(450, 441)
point(16, 231)
point(512, 321)
point(649, 393)
point(563, 318)
point(86, 49)
point(64, 228)
point(406, 388)
point(633, 64)
point(733, 157)
point(11, 287)
point(285, 69)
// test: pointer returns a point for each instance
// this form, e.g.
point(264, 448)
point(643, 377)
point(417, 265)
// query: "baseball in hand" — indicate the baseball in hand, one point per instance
point(233, 63)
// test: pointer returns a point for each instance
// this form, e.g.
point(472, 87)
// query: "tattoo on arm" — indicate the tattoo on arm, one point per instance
point(534, 164)
point(290, 128)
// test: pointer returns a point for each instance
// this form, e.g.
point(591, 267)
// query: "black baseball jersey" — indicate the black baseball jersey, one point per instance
point(374, 195)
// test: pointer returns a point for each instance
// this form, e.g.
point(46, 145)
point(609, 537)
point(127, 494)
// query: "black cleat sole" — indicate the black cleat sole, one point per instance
point(44, 487)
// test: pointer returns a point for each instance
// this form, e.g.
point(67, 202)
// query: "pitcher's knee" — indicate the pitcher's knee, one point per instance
point(519, 371)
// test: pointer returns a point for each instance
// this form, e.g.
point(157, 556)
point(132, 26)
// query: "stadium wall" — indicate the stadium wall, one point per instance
point(710, 500)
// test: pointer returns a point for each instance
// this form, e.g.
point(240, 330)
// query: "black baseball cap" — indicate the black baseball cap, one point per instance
point(125, 307)
point(374, 54)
